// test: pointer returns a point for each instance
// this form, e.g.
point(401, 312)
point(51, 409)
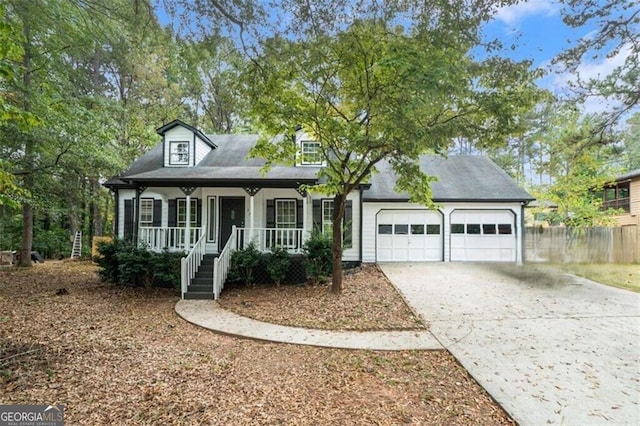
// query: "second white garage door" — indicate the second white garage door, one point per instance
point(409, 236)
point(483, 236)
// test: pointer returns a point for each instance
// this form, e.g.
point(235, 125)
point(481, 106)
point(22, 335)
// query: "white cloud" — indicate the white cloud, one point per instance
point(593, 71)
point(514, 14)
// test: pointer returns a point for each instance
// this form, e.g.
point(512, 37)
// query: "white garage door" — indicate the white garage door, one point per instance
point(409, 235)
point(483, 236)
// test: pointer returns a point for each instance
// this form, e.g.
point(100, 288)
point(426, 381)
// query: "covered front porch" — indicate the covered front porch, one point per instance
point(209, 223)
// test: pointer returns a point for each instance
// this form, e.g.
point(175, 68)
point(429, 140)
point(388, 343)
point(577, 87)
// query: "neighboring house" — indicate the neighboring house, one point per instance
point(191, 190)
point(624, 194)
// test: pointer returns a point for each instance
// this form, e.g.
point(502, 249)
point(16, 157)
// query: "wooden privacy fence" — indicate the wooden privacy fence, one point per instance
point(559, 244)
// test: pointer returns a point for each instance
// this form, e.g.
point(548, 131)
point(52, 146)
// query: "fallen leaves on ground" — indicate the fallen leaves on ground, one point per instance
point(122, 356)
point(368, 302)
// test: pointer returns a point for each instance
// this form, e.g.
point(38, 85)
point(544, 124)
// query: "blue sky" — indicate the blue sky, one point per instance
point(536, 30)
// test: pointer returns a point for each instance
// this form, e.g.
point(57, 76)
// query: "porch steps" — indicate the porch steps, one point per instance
point(201, 286)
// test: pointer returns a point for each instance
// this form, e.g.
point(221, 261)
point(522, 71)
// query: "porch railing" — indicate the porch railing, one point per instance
point(222, 262)
point(291, 239)
point(190, 263)
point(170, 238)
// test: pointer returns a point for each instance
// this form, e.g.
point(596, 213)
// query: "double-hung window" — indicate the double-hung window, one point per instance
point(179, 153)
point(285, 220)
point(146, 212)
point(327, 217)
point(182, 213)
point(311, 154)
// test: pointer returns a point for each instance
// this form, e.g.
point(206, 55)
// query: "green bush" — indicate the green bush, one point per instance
point(123, 263)
point(166, 269)
point(318, 256)
point(278, 264)
point(243, 262)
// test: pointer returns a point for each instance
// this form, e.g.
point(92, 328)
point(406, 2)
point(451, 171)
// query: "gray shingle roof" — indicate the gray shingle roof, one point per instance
point(629, 175)
point(468, 178)
point(460, 178)
point(229, 162)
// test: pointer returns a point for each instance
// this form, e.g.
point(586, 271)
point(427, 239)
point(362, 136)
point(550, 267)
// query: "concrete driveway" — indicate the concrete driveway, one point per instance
point(550, 348)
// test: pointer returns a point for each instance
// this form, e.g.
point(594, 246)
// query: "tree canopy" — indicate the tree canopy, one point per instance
point(378, 92)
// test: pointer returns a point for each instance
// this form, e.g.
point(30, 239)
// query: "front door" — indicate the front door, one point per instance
point(231, 213)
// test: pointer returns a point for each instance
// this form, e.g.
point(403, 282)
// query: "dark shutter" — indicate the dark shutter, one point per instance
point(173, 213)
point(157, 213)
point(199, 213)
point(317, 215)
point(271, 213)
point(299, 214)
point(128, 219)
point(347, 225)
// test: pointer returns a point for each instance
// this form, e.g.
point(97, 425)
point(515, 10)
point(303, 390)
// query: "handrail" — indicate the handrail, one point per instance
point(190, 263)
point(222, 262)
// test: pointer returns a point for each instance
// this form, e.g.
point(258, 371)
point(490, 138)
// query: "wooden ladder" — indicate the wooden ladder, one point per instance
point(76, 251)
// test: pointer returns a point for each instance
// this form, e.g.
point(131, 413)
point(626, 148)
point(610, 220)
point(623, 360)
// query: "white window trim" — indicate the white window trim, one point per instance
point(295, 213)
point(327, 225)
point(173, 151)
point(194, 213)
point(144, 205)
point(212, 217)
point(302, 161)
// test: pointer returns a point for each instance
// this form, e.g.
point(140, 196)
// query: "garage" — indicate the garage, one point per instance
point(483, 236)
point(409, 236)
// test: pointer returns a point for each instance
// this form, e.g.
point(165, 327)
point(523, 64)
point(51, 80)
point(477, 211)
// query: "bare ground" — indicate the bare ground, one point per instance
point(122, 356)
point(368, 302)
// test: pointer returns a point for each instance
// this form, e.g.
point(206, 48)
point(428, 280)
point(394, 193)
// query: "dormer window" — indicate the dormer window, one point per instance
point(310, 153)
point(179, 153)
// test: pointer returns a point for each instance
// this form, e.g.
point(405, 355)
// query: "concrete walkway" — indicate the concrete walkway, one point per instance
point(208, 314)
point(551, 349)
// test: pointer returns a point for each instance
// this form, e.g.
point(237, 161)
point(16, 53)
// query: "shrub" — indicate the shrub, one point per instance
point(166, 268)
point(318, 256)
point(278, 264)
point(108, 260)
point(243, 262)
point(123, 263)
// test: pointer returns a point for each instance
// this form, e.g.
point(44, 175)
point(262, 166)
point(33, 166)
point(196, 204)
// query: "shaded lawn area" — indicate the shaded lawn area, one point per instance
point(625, 276)
point(122, 356)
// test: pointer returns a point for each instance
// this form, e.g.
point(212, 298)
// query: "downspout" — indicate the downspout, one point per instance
point(116, 208)
point(136, 216)
point(361, 227)
point(522, 233)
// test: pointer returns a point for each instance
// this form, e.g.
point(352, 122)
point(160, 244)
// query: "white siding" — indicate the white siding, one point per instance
point(177, 134)
point(197, 150)
point(202, 149)
point(371, 209)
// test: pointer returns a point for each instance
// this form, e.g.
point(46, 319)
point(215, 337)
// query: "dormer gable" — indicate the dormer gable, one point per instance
point(183, 145)
point(309, 151)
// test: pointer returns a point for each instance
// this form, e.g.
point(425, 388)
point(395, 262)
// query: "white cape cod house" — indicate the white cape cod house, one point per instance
point(202, 194)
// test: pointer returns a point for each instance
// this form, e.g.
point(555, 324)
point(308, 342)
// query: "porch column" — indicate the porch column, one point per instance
point(252, 191)
point(305, 217)
point(136, 215)
point(305, 214)
point(187, 191)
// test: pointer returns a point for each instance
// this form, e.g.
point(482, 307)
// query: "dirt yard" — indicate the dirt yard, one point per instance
point(122, 356)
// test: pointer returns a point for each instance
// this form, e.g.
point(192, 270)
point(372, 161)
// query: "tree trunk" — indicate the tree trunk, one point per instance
point(96, 204)
point(27, 208)
point(339, 203)
point(27, 235)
